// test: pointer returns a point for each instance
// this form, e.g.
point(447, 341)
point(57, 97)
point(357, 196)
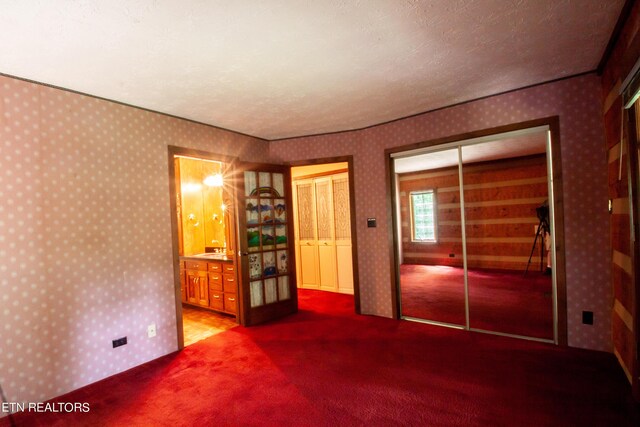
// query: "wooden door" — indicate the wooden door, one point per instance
point(202, 290)
point(183, 285)
point(192, 280)
point(307, 247)
point(197, 287)
point(267, 262)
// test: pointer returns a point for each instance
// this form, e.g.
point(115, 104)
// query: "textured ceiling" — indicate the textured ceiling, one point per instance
point(284, 68)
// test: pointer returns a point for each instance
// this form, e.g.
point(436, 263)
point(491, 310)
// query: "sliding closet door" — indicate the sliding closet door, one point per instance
point(431, 271)
point(505, 188)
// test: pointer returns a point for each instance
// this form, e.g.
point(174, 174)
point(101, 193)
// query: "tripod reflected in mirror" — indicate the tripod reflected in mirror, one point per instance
point(543, 232)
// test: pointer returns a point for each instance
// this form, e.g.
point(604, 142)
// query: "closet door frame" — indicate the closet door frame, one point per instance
point(555, 174)
point(352, 213)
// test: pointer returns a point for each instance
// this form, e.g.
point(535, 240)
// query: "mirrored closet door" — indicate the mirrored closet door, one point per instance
point(476, 234)
point(505, 186)
point(432, 274)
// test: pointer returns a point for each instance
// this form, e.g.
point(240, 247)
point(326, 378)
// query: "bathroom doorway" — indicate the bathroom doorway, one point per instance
point(232, 234)
point(205, 236)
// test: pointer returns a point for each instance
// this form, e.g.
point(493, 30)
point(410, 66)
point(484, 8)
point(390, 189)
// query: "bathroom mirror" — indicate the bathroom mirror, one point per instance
point(203, 206)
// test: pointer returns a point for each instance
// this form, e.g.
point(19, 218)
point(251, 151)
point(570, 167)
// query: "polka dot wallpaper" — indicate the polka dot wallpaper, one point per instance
point(578, 103)
point(85, 238)
point(85, 235)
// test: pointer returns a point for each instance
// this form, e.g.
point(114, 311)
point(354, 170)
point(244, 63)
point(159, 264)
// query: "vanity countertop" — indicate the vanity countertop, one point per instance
point(208, 257)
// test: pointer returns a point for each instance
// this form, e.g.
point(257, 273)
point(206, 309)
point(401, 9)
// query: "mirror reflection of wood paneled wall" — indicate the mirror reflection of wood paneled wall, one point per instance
point(201, 206)
point(501, 198)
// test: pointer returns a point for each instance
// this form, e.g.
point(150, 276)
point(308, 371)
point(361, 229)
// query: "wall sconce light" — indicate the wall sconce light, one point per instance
point(213, 180)
point(192, 219)
point(191, 187)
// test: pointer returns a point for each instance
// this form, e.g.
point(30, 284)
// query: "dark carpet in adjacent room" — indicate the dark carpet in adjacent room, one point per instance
point(326, 366)
point(499, 300)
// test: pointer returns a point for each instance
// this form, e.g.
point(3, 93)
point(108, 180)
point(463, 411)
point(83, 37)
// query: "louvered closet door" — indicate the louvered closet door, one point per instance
point(307, 248)
point(326, 242)
point(342, 222)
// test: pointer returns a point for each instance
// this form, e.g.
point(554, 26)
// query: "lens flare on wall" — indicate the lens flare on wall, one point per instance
point(213, 180)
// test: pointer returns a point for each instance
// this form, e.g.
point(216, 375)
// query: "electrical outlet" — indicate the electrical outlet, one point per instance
point(151, 330)
point(452, 255)
point(119, 342)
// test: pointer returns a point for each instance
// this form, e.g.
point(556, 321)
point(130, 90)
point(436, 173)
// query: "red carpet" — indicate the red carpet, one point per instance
point(326, 366)
point(499, 300)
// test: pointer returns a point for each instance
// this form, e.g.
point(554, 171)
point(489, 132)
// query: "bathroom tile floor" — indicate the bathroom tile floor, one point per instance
point(199, 323)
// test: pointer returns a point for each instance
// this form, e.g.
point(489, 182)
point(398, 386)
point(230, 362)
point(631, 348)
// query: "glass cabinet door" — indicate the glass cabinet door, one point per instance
point(268, 270)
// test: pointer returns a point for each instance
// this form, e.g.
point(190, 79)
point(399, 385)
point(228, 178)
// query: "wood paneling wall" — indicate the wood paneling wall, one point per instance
point(624, 270)
point(500, 212)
